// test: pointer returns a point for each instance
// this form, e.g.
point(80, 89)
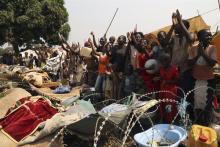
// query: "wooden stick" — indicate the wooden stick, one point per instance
point(111, 22)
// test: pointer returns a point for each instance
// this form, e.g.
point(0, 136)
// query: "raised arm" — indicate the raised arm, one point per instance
point(169, 34)
point(68, 48)
point(93, 48)
point(94, 40)
point(185, 30)
point(64, 48)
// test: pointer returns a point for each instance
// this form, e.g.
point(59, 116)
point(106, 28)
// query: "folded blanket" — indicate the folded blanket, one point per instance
point(24, 120)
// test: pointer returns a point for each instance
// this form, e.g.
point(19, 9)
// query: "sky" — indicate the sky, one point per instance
point(149, 15)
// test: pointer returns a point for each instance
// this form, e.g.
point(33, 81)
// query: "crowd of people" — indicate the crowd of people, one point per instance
point(176, 61)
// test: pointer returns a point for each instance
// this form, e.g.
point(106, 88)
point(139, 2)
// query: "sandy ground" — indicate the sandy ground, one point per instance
point(9, 101)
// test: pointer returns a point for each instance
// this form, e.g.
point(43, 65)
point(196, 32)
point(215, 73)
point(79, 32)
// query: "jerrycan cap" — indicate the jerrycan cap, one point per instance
point(203, 138)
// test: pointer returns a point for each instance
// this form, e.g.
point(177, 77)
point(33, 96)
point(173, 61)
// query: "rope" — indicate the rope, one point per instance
point(207, 12)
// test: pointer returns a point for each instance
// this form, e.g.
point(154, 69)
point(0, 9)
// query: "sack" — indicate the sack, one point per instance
point(85, 52)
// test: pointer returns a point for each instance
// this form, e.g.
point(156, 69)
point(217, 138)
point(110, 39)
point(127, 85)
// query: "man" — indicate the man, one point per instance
point(180, 42)
point(118, 61)
point(202, 58)
point(111, 43)
point(134, 45)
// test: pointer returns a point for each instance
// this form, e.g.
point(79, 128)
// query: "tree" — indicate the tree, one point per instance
point(27, 22)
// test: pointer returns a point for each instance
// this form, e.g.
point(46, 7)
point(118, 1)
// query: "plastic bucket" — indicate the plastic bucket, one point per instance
point(173, 136)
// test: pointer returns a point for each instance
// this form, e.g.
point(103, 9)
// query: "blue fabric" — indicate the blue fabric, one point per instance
point(62, 89)
point(99, 83)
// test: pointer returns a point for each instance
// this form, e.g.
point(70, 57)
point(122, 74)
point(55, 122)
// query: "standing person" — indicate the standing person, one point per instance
point(30, 64)
point(34, 62)
point(202, 57)
point(180, 44)
point(73, 53)
point(111, 43)
point(163, 47)
point(42, 55)
point(26, 59)
point(91, 67)
point(169, 76)
point(102, 68)
point(118, 61)
point(147, 74)
point(134, 46)
point(20, 60)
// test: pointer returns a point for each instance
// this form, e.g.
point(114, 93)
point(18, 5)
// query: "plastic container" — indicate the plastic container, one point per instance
point(172, 134)
point(201, 136)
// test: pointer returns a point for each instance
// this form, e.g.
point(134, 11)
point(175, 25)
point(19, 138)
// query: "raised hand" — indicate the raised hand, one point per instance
point(90, 40)
point(178, 16)
point(174, 19)
point(129, 36)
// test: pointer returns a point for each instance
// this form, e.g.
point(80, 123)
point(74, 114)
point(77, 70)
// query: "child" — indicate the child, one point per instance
point(169, 75)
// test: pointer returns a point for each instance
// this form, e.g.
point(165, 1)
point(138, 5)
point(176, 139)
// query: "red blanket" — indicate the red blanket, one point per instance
point(24, 120)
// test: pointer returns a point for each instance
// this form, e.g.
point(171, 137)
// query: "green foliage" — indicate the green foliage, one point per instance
point(25, 22)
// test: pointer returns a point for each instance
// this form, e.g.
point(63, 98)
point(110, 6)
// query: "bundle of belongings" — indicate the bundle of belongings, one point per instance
point(25, 117)
point(120, 111)
point(53, 65)
point(3, 68)
point(39, 79)
point(116, 114)
point(85, 52)
point(33, 118)
point(13, 69)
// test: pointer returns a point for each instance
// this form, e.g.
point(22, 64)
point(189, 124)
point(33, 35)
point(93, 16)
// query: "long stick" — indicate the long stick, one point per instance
point(219, 4)
point(111, 22)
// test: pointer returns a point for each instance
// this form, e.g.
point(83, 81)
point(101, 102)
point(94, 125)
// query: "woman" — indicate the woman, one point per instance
point(102, 68)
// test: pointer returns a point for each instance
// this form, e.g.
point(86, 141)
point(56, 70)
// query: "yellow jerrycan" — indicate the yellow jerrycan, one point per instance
point(201, 136)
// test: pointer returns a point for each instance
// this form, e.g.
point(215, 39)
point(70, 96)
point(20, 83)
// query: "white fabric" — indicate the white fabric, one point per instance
point(201, 61)
point(179, 52)
point(200, 94)
point(53, 65)
point(117, 111)
point(152, 62)
point(114, 108)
